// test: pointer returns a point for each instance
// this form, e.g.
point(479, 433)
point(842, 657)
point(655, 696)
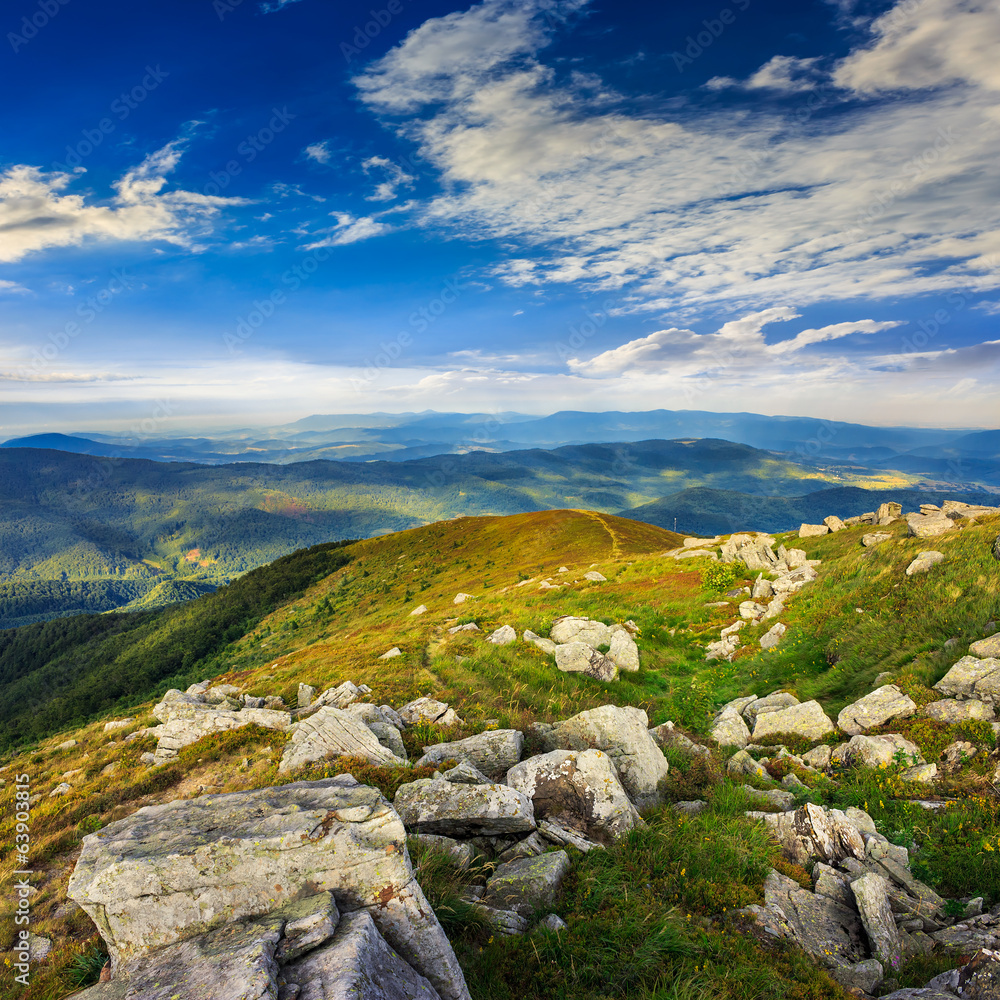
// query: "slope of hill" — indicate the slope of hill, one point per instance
point(85, 518)
point(655, 908)
point(704, 511)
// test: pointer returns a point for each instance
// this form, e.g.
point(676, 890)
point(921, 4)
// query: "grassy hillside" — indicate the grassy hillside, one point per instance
point(652, 917)
point(704, 511)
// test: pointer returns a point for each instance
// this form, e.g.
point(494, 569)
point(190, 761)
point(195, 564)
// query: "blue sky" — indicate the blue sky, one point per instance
point(223, 212)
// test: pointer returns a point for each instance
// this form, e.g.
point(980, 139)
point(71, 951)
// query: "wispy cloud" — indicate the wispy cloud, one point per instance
point(319, 151)
point(349, 229)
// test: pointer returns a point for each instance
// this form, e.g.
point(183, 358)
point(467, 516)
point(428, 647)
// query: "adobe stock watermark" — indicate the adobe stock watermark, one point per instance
point(87, 312)
point(22, 879)
point(31, 25)
point(121, 107)
point(695, 45)
point(249, 149)
point(419, 321)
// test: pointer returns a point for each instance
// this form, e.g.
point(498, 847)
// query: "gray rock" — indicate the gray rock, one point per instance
point(690, 807)
point(928, 525)
point(772, 636)
point(864, 976)
point(751, 609)
point(951, 710)
point(623, 734)
point(923, 774)
point(754, 552)
point(545, 645)
point(467, 627)
point(815, 833)
point(875, 709)
point(871, 893)
point(532, 845)
point(574, 629)
point(357, 964)
point(552, 923)
point(579, 657)
point(503, 636)
point(741, 763)
point(808, 720)
point(996, 548)
point(666, 735)
point(424, 710)
point(166, 871)
point(762, 589)
point(985, 648)
point(308, 923)
point(576, 791)
point(833, 884)
point(332, 732)
point(812, 530)
point(875, 538)
point(420, 609)
point(834, 523)
point(874, 751)
point(594, 577)
point(925, 561)
point(466, 773)
point(390, 737)
point(818, 757)
point(391, 654)
point(459, 853)
point(457, 810)
point(342, 695)
point(527, 884)
point(972, 678)
point(773, 702)
point(772, 797)
point(494, 752)
point(888, 512)
point(562, 836)
point(505, 922)
point(624, 652)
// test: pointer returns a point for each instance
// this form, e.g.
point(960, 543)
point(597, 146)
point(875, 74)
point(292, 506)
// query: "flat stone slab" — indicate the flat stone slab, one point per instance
point(457, 810)
point(332, 732)
point(494, 751)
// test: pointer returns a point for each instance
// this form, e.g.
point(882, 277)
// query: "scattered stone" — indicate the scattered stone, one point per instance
point(773, 702)
point(772, 797)
point(458, 810)
point(579, 657)
point(545, 645)
point(875, 709)
point(986, 648)
point(391, 654)
point(420, 609)
point(951, 710)
point(428, 710)
point(594, 577)
point(729, 730)
point(110, 727)
point(461, 598)
point(553, 923)
point(888, 512)
point(67, 745)
point(754, 552)
point(465, 773)
point(624, 652)
point(772, 637)
point(864, 976)
point(332, 732)
point(921, 774)
point(812, 530)
point(306, 694)
point(61, 789)
point(576, 790)
point(875, 751)
point(808, 720)
point(972, 678)
point(875, 538)
point(751, 609)
point(527, 884)
point(928, 525)
point(818, 757)
point(461, 854)
point(467, 627)
point(742, 763)
point(924, 561)
point(574, 629)
point(815, 833)
point(503, 636)
point(494, 752)
point(342, 695)
point(666, 735)
point(871, 893)
point(762, 589)
point(564, 837)
point(834, 523)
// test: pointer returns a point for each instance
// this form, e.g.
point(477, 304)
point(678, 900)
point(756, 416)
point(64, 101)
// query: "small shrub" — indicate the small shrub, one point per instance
point(719, 576)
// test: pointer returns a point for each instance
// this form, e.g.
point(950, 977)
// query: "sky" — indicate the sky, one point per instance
point(216, 213)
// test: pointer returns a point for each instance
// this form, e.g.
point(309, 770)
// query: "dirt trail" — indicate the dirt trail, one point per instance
point(616, 551)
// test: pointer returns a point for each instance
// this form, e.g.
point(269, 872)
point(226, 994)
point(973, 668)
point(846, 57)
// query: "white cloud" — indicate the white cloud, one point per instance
point(349, 229)
point(786, 73)
point(394, 177)
point(704, 205)
point(270, 6)
point(319, 151)
point(36, 215)
point(13, 288)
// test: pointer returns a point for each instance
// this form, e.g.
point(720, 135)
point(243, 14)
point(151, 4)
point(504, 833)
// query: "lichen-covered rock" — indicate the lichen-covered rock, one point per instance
point(332, 732)
point(808, 720)
point(623, 734)
point(578, 790)
point(527, 884)
point(876, 751)
point(729, 730)
point(502, 636)
point(871, 893)
point(951, 710)
point(545, 645)
point(623, 651)
point(818, 757)
point(773, 636)
point(582, 658)
point(428, 710)
point(172, 871)
point(342, 695)
point(570, 628)
point(357, 964)
point(812, 530)
point(186, 723)
point(813, 833)
point(875, 538)
point(459, 810)
point(875, 709)
point(459, 853)
point(494, 751)
point(773, 702)
point(741, 763)
point(985, 648)
point(972, 678)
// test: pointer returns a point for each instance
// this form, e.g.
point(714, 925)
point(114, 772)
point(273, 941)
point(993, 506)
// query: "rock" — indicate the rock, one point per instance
point(306, 694)
point(467, 627)
point(578, 657)
point(425, 710)
point(923, 774)
point(972, 678)
point(772, 797)
point(460, 854)
point(573, 629)
point(503, 636)
point(505, 922)
point(983, 648)
point(61, 789)
point(594, 577)
point(826, 930)
point(742, 763)
point(888, 512)
point(527, 884)
point(774, 608)
point(772, 636)
point(67, 745)
point(461, 598)
point(924, 561)
point(864, 976)
point(834, 523)
point(562, 836)
point(762, 589)
point(697, 554)
point(774, 702)
point(996, 548)
point(792, 558)
point(342, 695)
point(420, 609)
point(874, 751)
point(623, 734)
point(308, 923)
point(818, 757)
point(390, 737)
point(545, 645)
point(576, 790)
point(812, 530)
point(808, 720)
point(494, 752)
point(357, 963)
point(666, 735)
point(332, 732)
point(875, 709)
point(871, 895)
point(956, 754)
point(552, 923)
point(624, 652)
point(456, 810)
point(875, 538)
point(110, 727)
point(814, 833)
point(729, 730)
point(754, 552)
point(466, 773)
point(724, 649)
point(751, 609)
point(391, 653)
point(171, 870)
point(833, 884)
point(950, 710)
point(928, 525)
point(980, 978)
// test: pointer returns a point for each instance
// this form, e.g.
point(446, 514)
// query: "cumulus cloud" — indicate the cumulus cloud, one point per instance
point(699, 205)
point(35, 214)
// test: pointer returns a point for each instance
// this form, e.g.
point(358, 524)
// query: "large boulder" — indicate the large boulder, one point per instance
point(332, 732)
point(808, 720)
point(871, 893)
point(972, 678)
point(813, 833)
point(573, 629)
point(582, 658)
point(952, 710)
point(527, 884)
point(888, 512)
point(185, 723)
point(925, 561)
point(812, 530)
point(427, 710)
point(578, 790)
point(503, 636)
point(773, 702)
point(494, 752)
point(729, 730)
point(877, 751)
point(178, 870)
point(460, 810)
point(928, 525)
point(623, 734)
point(754, 552)
point(624, 652)
point(875, 538)
point(875, 709)
point(985, 648)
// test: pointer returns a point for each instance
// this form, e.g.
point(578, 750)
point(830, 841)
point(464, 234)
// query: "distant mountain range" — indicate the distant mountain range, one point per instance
point(946, 456)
